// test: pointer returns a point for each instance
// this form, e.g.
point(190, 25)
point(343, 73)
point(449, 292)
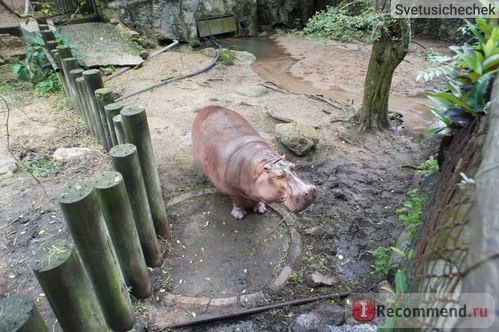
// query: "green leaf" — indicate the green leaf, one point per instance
point(483, 25)
point(400, 282)
point(489, 47)
point(477, 93)
point(442, 117)
point(445, 98)
point(490, 63)
point(474, 29)
point(398, 251)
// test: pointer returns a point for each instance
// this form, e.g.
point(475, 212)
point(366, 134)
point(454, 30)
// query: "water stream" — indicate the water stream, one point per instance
point(274, 64)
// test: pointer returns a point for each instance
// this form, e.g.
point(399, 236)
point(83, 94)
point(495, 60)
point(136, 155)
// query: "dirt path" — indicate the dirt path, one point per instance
point(362, 178)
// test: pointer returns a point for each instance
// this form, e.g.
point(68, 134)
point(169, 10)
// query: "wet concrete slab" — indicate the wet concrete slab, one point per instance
point(101, 45)
point(217, 257)
point(219, 265)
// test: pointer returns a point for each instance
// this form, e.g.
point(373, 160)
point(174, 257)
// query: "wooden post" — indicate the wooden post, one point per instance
point(77, 73)
point(18, 313)
point(118, 129)
point(113, 199)
point(104, 97)
point(47, 35)
point(93, 81)
point(126, 161)
point(136, 130)
point(69, 64)
point(111, 111)
point(67, 287)
point(82, 91)
point(51, 45)
point(63, 52)
point(87, 226)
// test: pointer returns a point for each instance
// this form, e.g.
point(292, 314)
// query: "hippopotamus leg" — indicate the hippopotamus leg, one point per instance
point(238, 210)
point(259, 207)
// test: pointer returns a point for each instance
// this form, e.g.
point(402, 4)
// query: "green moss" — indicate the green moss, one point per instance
point(227, 57)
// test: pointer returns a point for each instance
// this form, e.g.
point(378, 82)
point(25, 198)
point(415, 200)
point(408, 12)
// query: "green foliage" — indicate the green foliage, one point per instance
point(36, 68)
point(40, 167)
point(381, 265)
point(428, 167)
point(410, 214)
point(346, 21)
point(468, 74)
point(227, 57)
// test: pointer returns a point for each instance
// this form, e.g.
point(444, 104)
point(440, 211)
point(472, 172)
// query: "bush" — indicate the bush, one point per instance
point(347, 21)
point(36, 68)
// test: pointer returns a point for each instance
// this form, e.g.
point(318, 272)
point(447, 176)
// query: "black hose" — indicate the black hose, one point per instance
point(252, 311)
point(173, 79)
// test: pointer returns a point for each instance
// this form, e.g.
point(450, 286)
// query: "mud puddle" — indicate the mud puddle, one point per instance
point(275, 62)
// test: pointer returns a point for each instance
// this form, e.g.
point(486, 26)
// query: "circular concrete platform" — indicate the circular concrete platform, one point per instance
point(217, 257)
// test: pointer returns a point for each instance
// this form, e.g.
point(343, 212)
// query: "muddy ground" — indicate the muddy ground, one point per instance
point(361, 178)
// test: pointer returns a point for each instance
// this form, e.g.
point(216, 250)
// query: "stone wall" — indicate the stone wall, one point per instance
point(439, 29)
point(176, 19)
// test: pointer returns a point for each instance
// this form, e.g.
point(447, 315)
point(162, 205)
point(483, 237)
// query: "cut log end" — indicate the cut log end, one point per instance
point(108, 180)
point(74, 193)
point(19, 313)
point(52, 255)
point(123, 150)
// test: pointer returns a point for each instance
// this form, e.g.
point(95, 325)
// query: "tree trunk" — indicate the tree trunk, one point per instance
point(387, 53)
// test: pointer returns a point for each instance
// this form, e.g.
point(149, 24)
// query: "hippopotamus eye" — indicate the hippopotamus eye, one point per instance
point(280, 175)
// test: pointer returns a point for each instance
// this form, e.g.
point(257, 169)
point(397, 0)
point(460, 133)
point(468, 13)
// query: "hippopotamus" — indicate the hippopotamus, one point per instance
point(242, 165)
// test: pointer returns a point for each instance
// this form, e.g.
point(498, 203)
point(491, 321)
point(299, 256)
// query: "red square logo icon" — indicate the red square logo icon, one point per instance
point(363, 310)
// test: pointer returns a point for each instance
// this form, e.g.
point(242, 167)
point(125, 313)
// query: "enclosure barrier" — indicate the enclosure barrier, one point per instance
point(66, 285)
point(113, 200)
point(20, 314)
point(114, 221)
point(126, 161)
point(87, 226)
point(457, 248)
point(136, 131)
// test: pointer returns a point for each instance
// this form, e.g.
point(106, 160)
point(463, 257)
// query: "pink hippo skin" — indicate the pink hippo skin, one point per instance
point(241, 164)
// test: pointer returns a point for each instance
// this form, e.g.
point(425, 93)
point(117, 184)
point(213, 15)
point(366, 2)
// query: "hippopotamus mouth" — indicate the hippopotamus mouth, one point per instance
point(296, 202)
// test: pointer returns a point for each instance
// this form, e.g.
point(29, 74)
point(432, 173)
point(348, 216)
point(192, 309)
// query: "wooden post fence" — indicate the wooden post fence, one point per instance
point(68, 289)
point(104, 97)
point(126, 161)
point(113, 200)
point(93, 81)
point(88, 228)
point(136, 130)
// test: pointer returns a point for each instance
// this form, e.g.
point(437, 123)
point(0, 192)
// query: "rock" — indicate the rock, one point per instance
point(7, 165)
point(298, 137)
point(315, 279)
point(323, 318)
point(210, 51)
point(65, 154)
point(244, 58)
point(253, 90)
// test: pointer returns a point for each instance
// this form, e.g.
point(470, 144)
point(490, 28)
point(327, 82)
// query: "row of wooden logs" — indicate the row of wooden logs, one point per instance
point(114, 220)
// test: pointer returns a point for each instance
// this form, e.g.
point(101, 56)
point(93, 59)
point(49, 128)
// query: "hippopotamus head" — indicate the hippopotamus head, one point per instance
point(277, 182)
